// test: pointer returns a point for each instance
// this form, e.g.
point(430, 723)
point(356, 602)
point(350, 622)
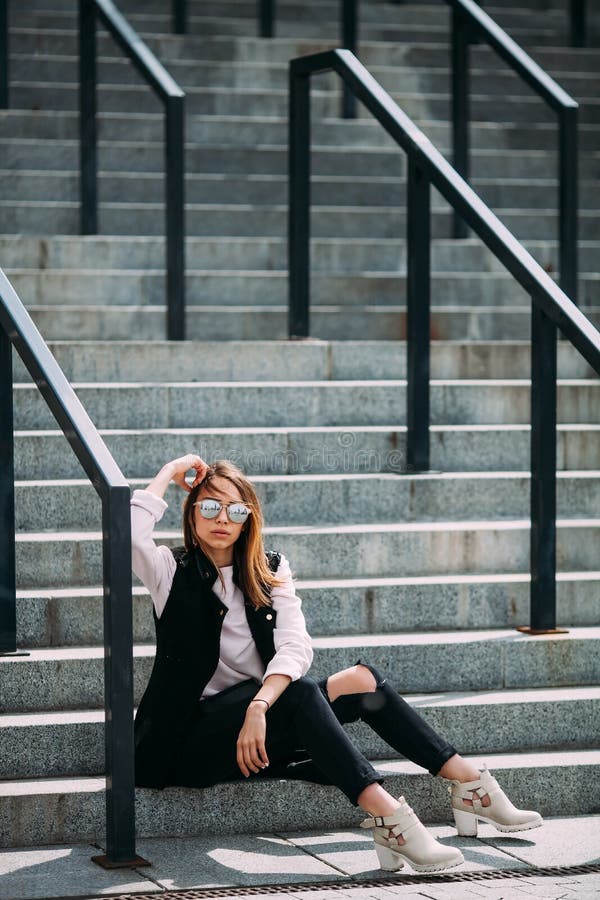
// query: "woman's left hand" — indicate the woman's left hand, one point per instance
point(251, 751)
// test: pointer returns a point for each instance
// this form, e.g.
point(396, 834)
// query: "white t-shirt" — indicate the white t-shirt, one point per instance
point(239, 658)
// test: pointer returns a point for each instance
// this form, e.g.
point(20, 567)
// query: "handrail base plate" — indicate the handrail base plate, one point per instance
point(527, 629)
point(106, 863)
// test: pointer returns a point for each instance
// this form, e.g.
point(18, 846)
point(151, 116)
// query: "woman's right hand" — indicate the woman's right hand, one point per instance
point(183, 464)
point(175, 471)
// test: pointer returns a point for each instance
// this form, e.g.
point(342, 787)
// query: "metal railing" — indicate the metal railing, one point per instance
point(18, 330)
point(4, 62)
point(469, 20)
point(173, 97)
point(551, 307)
point(578, 23)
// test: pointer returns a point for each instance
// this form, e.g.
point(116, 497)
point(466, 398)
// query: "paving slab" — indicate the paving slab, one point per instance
point(234, 860)
point(353, 853)
point(65, 870)
point(566, 842)
point(345, 856)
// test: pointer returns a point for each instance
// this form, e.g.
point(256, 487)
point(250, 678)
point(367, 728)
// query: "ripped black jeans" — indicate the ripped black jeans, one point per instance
point(305, 738)
point(394, 720)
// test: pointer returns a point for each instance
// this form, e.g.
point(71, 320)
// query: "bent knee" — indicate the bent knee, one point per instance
point(356, 680)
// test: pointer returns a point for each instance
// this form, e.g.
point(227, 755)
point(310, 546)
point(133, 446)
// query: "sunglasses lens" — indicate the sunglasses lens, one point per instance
point(237, 512)
point(209, 509)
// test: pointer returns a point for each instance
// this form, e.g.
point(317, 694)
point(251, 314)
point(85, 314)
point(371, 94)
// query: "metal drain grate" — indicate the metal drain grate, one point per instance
point(441, 877)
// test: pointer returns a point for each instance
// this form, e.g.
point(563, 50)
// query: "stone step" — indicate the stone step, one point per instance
point(37, 217)
point(31, 94)
point(71, 678)
point(60, 125)
point(370, 190)
point(284, 360)
point(306, 403)
point(56, 252)
point(431, 15)
point(114, 287)
point(68, 559)
point(50, 811)
point(147, 24)
point(51, 745)
point(193, 73)
point(329, 499)
point(220, 159)
point(556, 58)
point(70, 617)
point(263, 322)
point(281, 450)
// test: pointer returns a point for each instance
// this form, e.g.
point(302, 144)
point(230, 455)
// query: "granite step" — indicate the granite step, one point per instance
point(105, 252)
point(147, 287)
point(428, 14)
point(217, 323)
point(290, 450)
point(556, 58)
point(389, 549)
point(85, 361)
point(50, 811)
point(135, 155)
point(60, 125)
point(239, 220)
point(306, 403)
point(147, 24)
point(62, 679)
point(332, 498)
point(31, 94)
point(191, 73)
point(68, 617)
point(330, 190)
point(59, 744)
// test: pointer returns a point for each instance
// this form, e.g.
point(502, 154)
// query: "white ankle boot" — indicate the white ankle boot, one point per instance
point(420, 849)
point(500, 813)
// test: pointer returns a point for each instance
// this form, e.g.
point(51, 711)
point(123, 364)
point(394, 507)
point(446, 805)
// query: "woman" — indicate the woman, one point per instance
point(229, 695)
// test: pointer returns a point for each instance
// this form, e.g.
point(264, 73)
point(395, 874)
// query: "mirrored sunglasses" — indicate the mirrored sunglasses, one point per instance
point(236, 512)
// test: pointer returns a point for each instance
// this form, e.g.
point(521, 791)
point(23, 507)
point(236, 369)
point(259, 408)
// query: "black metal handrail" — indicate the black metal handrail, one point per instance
point(578, 22)
point(4, 68)
point(468, 21)
point(18, 330)
point(551, 307)
point(173, 98)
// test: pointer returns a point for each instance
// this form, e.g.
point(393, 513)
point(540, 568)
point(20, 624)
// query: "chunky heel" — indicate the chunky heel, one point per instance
point(468, 806)
point(401, 837)
point(388, 860)
point(466, 823)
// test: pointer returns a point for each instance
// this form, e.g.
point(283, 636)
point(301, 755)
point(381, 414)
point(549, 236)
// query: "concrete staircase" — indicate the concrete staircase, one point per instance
point(425, 575)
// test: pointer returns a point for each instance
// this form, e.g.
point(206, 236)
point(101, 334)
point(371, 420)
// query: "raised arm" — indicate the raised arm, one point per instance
point(155, 566)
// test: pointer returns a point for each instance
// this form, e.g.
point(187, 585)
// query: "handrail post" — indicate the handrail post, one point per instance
point(543, 474)
point(8, 593)
point(460, 106)
point(418, 281)
point(118, 680)
point(578, 23)
point(266, 18)
point(349, 41)
point(175, 212)
point(180, 16)
point(4, 61)
point(87, 118)
point(568, 203)
point(299, 206)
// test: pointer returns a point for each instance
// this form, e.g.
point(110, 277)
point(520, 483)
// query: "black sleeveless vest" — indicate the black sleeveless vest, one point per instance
point(187, 653)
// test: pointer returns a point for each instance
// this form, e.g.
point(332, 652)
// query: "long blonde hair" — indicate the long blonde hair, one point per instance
point(255, 577)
